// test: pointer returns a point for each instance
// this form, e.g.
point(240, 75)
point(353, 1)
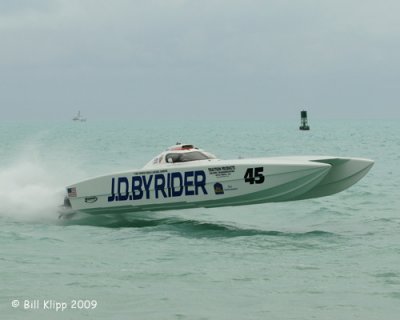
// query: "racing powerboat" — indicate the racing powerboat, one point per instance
point(185, 176)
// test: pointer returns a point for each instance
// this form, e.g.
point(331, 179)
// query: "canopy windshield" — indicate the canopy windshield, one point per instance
point(187, 156)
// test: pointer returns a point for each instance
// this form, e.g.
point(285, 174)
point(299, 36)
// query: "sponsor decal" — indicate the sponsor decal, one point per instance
point(159, 185)
point(91, 199)
point(218, 188)
point(221, 172)
point(230, 188)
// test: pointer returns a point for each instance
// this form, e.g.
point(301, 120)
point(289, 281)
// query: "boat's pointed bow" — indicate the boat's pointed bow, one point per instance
point(344, 173)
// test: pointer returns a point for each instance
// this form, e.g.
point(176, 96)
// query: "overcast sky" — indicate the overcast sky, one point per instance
point(233, 59)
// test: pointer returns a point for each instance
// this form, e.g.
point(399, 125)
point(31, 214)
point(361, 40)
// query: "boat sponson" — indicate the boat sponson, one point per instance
point(343, 174)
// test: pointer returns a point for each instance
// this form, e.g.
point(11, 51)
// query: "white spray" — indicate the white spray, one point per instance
point(32, 187)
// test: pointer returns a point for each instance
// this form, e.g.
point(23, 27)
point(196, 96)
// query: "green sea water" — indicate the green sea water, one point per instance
point(336, 257)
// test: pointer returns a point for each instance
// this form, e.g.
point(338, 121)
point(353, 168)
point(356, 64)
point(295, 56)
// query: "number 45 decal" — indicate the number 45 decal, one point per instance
point(254, 175)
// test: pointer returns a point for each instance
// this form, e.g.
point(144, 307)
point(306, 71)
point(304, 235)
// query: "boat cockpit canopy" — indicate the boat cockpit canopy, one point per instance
point(187, 156)
point(180, 153)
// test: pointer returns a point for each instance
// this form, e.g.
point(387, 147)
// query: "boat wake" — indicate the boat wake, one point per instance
point(151, 221)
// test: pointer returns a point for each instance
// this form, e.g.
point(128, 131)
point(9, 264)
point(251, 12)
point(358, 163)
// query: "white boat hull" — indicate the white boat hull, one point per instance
point(215, 183)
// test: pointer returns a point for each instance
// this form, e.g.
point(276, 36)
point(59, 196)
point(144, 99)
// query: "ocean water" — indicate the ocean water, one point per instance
point(336, 257)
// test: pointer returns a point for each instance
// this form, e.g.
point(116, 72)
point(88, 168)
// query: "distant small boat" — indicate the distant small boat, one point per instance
point(78, 117)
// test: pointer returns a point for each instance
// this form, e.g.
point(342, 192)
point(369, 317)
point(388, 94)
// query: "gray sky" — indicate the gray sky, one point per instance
point(199, 58)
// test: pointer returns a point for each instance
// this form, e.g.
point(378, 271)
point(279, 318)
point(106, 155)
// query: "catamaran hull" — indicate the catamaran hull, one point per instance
point(216, 183)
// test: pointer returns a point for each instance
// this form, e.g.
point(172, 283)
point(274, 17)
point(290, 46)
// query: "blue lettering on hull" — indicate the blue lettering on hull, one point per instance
point(175, 184)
